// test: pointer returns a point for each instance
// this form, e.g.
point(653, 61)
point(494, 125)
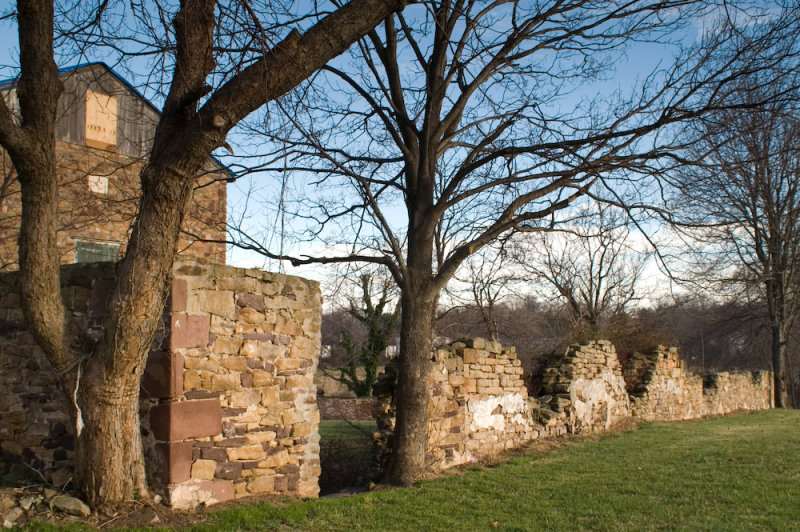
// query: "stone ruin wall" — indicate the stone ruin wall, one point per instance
point(228, 399)
point(337, 401)
point(585, 388)
point(479, 405)
point(345, 407)
point(662, 389)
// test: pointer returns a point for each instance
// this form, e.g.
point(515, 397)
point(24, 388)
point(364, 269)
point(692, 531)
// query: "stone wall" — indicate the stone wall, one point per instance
point(728, 392)
point(586, 384)
point(228, 400)
point(345, 407)
point(479, 405)
point(661, 388)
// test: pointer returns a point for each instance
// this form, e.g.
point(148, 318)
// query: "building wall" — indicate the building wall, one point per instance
point(228, 400)
point(99, 182)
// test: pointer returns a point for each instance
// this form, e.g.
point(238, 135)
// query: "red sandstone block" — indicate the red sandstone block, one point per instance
point(186, 419)
point(163, 375)
point(172, 462)
point(179, 295)
point(189, 330)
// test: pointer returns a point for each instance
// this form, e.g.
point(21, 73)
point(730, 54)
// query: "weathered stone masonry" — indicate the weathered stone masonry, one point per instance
point(228, 403)
point(479, 406)
point(585, 388)
point(662, 389)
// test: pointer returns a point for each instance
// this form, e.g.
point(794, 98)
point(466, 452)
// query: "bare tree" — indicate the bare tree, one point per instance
point(742, 204)
point(455, 111)
point(593, 266)
point(202, 102)
point(485, 282)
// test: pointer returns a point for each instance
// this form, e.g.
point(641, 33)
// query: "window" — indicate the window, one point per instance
point(101, 121)
point(87, 251)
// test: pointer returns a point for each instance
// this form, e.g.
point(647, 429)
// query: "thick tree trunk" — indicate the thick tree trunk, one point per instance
point(412, 395)
point(110, 465)
point(776, 303)
point(780, 388)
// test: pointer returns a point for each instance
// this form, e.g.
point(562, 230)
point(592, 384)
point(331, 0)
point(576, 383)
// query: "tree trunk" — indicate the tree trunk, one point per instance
point(412, 392)
point(776, 303)
point(110, 465)
point(780, 388)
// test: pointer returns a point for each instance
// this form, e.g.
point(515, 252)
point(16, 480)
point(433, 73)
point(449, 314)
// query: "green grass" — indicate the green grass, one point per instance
point(733, 473)
point(355, 429)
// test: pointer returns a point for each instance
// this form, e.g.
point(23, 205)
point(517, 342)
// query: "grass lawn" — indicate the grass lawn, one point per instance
point(734, 473)
point(355, 429)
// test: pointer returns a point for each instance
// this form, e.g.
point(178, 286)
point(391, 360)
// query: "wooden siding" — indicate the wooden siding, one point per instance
point(136, 121)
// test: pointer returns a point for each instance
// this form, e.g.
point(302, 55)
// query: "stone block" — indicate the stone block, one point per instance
point(246, 452)
point(288, 364)
point(171, 463)
point(245, 399)
point(253, 301)
point(186, 419)
point(276, 460)
point(218, 302)
point(261, 484)
point(308, 489)
point(193, 493)
point(270, 395)
point(471, 356)
point(260, 436)
point(227, 345)
point(226, 382)
point(214, 453)
point(304, 348)
point(204, 469)
point(249, 315)
point(288, 326)
point(178, 295)
point(163, 375)
point(262, 378)
point(235, 363)
point(222, 326)
point(229, 470)
point(191, 380)
point(298, 382)
point(189, 330)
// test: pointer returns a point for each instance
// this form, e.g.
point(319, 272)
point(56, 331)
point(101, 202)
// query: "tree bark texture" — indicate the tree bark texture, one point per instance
point(412, 394)
point(109, 464)
point(776, 302)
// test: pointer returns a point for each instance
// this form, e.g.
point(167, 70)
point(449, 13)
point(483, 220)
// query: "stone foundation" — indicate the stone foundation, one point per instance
point(228, 399)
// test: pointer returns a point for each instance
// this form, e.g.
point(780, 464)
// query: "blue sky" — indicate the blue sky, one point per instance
point(639, 61)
